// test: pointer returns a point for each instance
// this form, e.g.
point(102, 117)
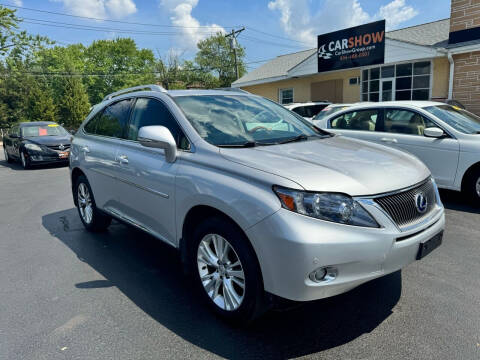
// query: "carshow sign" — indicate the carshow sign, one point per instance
point(357, 46)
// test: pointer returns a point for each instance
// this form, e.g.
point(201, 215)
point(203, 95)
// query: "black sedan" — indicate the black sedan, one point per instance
point(37, 142)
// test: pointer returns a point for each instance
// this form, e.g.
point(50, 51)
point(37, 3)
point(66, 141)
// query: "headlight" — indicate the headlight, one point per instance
point(332, 207)
point(33, 147)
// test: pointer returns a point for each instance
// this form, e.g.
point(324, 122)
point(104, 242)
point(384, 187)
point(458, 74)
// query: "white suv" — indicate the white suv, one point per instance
point(308, 110)
point(258, 201)
point(446, 138)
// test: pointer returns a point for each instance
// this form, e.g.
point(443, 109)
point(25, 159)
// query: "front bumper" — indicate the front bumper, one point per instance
point(290, 246)
point(43, 158)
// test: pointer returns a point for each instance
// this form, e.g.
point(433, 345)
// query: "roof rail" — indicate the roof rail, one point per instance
point(150, 87)
point(232, 90)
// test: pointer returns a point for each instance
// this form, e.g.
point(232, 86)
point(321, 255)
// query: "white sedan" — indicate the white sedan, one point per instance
point(446, 138)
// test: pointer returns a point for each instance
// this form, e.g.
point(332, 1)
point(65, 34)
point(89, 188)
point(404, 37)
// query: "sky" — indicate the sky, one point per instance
point(273, 27)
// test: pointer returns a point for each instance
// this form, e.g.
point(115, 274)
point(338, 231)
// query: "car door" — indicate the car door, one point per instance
point(146, 179)
point(99, 150)
point(403, 129)
point(359, 124)
point(15, 139)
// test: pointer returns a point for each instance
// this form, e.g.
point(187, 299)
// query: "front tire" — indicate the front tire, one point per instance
point(93, 219)
point(225, 270)
point(8, 159)
point(25, 160)
point(472, 188)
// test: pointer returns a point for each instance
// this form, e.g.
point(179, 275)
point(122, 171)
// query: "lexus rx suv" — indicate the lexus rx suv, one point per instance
point(260, 203)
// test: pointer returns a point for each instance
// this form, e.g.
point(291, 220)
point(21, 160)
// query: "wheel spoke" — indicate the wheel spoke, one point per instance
point(206, 256)
point(238, 282)
point(236, 273)
point(218, 246)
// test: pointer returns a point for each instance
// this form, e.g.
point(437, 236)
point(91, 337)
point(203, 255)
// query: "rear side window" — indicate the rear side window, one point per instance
point(365, 120)
point(402, 121)
point(114, 118)
point(149, 112)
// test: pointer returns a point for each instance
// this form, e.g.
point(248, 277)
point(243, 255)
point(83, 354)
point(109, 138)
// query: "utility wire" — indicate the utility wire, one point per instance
point(99, 28)
point(108, 20)
point(276, 36)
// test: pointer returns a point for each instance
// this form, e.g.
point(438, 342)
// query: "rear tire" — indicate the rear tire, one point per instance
point(8, 159)
point(93, 219)
point(472, 188)
point(236, 300)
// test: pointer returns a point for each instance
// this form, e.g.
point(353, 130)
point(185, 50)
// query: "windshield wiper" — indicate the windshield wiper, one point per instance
point(300, 137)
point(246, 144)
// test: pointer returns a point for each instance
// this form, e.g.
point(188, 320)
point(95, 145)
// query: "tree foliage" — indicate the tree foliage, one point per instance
point(215, 55)
point(41, 81)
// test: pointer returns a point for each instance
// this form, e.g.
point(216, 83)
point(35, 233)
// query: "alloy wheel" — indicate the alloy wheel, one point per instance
point(221, 272)
point(85, 203)
point(24, 161)
point(6, 154)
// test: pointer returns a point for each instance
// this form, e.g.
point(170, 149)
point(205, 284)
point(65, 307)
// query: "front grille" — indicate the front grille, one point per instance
point(57, 147)
point(402, 208)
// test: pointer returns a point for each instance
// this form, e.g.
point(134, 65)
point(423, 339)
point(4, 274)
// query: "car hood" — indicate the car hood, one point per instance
point(335, 164)
point(49, 140)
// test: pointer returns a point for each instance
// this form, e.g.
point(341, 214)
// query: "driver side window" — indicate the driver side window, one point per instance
point(399, 121)
point(361, 120)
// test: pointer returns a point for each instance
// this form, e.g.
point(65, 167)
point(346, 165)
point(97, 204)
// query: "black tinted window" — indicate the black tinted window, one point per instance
point(113, 119)
point(92, 124)
point(149, 112)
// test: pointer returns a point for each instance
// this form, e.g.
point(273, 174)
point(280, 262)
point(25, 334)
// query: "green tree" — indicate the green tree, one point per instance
point(40, 102)
point(118, 64)
point(14, 42)
point(74, 104)
point(215, 55)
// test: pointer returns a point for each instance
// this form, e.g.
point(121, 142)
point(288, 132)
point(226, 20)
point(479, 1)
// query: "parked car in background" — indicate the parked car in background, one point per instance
point(308, 110)
point(446, 138)
point(291, 211)
point(35, 143)
point(327, 111)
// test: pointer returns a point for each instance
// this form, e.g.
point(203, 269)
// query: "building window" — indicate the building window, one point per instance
point(286, 96)
point(410, 81)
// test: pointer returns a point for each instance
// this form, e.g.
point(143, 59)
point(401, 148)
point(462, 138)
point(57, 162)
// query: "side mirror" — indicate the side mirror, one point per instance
point(72, 131)
point(433, 132)
point(159, 137)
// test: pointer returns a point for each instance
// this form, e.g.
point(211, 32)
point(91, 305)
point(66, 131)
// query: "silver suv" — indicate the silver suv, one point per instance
point(260, 203)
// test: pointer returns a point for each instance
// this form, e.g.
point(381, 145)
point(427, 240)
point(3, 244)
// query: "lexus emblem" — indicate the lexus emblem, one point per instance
point(421, 203)
point(61, 147)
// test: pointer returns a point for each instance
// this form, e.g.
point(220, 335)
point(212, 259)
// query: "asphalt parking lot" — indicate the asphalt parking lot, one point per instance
point(68, 294)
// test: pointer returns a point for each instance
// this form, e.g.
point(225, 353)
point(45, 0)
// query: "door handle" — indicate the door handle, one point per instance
point(389, 140)
point(122, 159)
point(85, 149)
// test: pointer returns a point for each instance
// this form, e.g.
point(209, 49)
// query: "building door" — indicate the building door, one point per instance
point(387, 89)
point(330, 90)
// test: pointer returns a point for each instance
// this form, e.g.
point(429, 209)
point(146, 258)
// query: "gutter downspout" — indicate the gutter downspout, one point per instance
point(450, 78)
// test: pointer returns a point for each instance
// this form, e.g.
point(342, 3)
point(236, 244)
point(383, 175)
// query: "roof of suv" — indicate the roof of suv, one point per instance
point(197, 92)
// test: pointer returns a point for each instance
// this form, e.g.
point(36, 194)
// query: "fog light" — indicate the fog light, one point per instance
point(323, 275)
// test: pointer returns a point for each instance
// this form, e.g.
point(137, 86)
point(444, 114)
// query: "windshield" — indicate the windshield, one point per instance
point(459, 119)
point(230, 120)
point(43, 130)
point(329, 111)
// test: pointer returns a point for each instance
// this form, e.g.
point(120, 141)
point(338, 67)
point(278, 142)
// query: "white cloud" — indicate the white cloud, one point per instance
point(17, 2)
point(301, 23)
point(396, 12)
point(103, 9)
point(181, 15)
